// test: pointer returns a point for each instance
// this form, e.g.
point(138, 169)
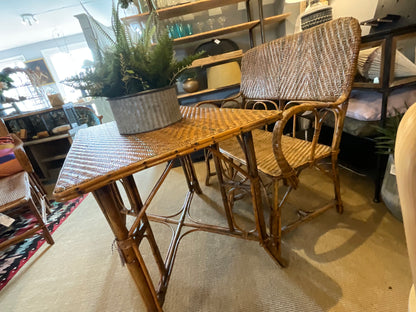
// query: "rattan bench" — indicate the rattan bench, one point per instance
point(307, 73)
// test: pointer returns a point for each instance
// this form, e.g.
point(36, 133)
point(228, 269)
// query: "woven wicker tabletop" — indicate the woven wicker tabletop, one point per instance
point(100, 154)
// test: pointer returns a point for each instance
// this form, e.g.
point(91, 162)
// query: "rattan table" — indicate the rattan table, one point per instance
point(100, 156)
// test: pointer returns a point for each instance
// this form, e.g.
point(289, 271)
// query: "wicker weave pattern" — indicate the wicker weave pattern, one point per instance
point(297, 152)
point(100, 154)
point(14, 190)
point(146, 111)
point(311, 65)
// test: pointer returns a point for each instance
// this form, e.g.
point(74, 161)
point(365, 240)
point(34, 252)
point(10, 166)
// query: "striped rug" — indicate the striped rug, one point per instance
point(15, 256)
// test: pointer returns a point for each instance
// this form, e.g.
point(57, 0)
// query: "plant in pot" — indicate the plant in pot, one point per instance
point(385, 143)
point(137, 76)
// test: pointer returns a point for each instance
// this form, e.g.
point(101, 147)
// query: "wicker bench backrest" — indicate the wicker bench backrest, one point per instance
point(317, 64)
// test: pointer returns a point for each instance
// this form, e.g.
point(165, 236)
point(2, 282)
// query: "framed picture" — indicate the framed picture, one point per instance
point(40, 73)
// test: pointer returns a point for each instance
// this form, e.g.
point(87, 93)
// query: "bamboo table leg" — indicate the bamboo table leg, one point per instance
point(272, 247)
point(219, 171)
point(190, 175)
point(106, 198)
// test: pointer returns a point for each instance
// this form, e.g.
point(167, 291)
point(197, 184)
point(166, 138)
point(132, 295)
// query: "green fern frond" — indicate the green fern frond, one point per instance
point(134, 64)
point(386, 140)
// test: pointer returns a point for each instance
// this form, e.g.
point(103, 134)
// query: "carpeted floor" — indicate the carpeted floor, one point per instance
point(15, 256)
point(351, 262)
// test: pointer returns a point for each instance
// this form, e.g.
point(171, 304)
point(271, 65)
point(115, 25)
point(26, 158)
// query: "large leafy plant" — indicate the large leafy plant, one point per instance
point(386, 138)
point(133, 63)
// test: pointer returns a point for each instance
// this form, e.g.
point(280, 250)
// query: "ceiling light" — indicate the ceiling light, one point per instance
point(28, 19)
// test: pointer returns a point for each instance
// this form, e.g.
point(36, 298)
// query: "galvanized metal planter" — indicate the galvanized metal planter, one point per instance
point(146, 111)
point(389, 192)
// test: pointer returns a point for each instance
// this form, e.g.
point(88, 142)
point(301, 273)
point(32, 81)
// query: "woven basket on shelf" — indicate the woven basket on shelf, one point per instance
point(146, 111)
point(316, 13)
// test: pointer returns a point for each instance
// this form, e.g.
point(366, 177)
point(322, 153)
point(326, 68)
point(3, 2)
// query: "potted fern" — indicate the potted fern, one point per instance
point(137, 76)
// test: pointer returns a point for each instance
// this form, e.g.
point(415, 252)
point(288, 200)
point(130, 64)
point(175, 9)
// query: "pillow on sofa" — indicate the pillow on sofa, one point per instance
point(8, 163)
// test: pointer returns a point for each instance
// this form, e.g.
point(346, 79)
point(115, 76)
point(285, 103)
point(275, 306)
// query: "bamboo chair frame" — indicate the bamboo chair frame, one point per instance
point(18, 193)
point(309, 72)
point(24, 161)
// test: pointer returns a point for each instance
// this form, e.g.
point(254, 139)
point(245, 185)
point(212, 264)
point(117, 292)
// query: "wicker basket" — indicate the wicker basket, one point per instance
point(146, 111)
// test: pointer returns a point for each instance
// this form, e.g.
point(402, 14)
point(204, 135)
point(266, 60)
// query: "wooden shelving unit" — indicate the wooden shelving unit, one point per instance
point(204, 5)
point(46, 154)
point(230, 29)
point(205, 91)
point(387, 40)
point(48, 139)
point(182, 9)
point(216, 59)
point(216, 32)
point(275, 19)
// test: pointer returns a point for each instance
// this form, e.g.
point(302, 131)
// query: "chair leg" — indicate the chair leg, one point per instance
point(209, 174)
point(34, 181)
point(228, 205)
point(42, 224)
point(337, 188)
point(276, 225)
point(39, 198)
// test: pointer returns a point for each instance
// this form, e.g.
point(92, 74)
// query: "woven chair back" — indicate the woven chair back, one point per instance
point(317, 64)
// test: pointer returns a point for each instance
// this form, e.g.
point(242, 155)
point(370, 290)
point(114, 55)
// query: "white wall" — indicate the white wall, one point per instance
point(360, 9)
point(33, 51)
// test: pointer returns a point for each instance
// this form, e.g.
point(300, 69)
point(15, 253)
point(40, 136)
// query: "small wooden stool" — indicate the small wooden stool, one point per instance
point(15, 192)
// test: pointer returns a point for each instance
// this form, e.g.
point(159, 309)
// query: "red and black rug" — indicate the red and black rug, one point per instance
point(14, 257)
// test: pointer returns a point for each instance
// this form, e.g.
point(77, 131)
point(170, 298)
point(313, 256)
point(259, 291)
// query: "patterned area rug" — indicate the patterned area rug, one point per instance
point(15, 256)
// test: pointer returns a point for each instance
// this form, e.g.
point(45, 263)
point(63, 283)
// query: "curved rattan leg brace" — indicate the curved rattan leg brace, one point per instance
point(270, 242)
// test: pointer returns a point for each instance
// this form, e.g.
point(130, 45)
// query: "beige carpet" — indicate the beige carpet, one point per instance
point(351, 262)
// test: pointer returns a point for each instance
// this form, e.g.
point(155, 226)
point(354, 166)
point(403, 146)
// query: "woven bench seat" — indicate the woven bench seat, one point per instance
point(16, 192)
point(293, 149)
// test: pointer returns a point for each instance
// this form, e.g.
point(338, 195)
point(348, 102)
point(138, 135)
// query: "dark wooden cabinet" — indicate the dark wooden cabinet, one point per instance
point(46, 154)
